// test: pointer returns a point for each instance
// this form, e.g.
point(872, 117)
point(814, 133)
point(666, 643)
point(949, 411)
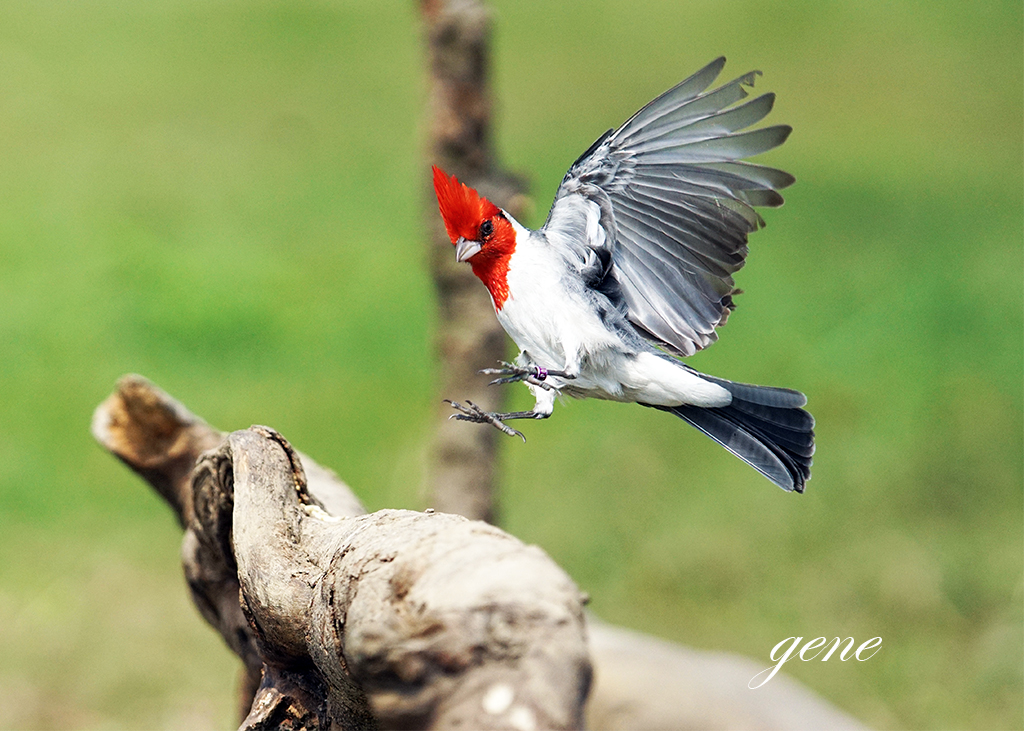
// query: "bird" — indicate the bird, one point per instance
point(632, 270)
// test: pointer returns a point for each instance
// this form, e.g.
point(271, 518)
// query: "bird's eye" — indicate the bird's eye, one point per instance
point(486, 229)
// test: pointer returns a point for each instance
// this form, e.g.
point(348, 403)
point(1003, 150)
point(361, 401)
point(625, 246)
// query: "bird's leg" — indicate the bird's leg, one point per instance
point(533, 374)
point(536, 379)
point(472, 412)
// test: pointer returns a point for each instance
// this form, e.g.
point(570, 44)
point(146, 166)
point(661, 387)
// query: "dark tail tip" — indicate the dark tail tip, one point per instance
point(776, 440)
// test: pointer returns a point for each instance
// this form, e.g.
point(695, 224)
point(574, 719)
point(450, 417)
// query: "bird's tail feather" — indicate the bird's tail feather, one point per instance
point(763, 426)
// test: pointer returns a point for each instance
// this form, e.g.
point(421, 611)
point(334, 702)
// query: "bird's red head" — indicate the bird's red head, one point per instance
point(480, 231)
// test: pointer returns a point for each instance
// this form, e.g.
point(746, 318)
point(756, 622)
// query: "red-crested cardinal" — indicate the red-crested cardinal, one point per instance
point(634, 266)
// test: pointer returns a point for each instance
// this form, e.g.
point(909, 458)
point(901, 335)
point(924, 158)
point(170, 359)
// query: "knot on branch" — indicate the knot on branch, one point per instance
point(213, 500)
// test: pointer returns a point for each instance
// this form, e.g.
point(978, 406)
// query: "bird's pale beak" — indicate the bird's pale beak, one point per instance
point(466, 249)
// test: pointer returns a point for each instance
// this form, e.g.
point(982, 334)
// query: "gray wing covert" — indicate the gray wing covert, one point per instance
point(676, 202)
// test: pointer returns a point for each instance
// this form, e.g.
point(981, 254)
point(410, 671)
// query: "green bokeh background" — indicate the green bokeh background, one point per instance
point(227, 197)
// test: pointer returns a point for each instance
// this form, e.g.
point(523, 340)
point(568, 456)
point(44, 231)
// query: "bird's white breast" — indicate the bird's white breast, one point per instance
point(546, 314)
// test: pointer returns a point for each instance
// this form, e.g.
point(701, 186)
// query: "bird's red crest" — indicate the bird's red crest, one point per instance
point(462, 208)
point(464, 212)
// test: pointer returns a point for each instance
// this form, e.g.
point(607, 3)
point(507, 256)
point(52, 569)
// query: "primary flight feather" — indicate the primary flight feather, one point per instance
point(634, 266)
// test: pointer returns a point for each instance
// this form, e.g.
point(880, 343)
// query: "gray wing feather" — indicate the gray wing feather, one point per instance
point(676, 203)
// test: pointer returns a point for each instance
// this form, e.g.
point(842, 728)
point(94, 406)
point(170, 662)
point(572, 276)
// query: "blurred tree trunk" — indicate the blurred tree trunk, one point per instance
point(468, 336)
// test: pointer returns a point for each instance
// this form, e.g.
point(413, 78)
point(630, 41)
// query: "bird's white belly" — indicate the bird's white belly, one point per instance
point(560, 333)
point(554, 332)
point(558, 328)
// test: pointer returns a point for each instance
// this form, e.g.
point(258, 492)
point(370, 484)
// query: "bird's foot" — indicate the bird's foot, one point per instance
point(472, 412)
point(535, 375)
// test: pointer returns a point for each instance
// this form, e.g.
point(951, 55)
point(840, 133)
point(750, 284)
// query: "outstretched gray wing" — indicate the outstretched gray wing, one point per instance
point(675, 204)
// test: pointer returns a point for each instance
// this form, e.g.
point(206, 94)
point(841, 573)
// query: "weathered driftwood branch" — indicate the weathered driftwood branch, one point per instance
point(468, 336)
point(400, 619)
point(161, 440)
point(395, 619)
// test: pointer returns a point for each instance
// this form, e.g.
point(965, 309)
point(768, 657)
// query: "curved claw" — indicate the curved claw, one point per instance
point(472, 412)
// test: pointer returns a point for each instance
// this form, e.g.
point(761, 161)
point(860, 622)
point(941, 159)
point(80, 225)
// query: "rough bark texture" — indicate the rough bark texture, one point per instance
point(468, 336)
point(393, 620)
point(161, 440)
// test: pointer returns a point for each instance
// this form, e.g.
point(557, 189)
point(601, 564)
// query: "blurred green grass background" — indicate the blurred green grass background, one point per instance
point(227, 197)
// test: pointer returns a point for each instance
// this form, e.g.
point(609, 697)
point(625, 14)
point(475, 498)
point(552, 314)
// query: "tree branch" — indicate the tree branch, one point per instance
point(397, 619)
